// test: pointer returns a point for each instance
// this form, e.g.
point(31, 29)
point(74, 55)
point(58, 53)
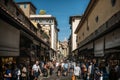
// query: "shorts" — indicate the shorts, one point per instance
point(36, 74)
point(65, 70)
point(77, 77)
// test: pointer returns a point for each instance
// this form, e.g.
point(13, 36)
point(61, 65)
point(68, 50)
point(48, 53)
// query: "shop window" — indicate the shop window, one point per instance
point(6, 60)
point(76, 38)
point(50, 21)
point(96, 19)
point(113, 2)
point(87, 25)
point(40, 20)
point(47, 20)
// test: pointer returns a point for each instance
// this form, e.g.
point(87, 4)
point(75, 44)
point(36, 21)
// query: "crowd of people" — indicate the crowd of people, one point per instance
point(90, 70)
point(13, 72)
point(86, 70)
point(26, 72)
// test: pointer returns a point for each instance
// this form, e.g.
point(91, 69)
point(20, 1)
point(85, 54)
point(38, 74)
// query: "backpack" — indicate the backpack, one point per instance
point(14, 73)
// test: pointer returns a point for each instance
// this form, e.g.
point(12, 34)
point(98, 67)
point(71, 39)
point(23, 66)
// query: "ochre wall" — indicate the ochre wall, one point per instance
point(104, 10)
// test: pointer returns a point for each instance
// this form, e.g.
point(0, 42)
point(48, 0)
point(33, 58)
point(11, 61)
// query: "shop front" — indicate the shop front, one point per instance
point(99, 47)
point(89, 51)
point(25, 48)
point(86, 52)
point(44, 52)
point(112, 46)
point(9, 43)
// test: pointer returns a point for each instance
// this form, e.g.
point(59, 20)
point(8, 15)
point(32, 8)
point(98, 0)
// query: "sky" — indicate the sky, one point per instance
point(62, 10)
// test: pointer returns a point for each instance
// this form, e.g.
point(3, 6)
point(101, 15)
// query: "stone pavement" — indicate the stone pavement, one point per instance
point(55, 77)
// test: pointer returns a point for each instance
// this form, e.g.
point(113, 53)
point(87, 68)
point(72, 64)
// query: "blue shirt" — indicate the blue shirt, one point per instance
point(66, 66)
point(7, 73)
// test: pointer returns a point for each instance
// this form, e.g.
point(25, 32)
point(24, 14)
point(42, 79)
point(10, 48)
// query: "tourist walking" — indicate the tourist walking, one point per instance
point(90, 71)
point(45, 70)
point(84, 71)
point(16, 73)
point(59, 71)
point(98, 74)
point(36, 70)
point(51, 67)
point(77, 71)
point(65, 68)
point(7, 74)
point(24, 73)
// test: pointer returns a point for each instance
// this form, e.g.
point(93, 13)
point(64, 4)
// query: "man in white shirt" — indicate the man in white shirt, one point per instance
point(35, 70)
point(62, 64)
point(90, 72)
point(57, 64)
point(77, 71)
point(90, 68)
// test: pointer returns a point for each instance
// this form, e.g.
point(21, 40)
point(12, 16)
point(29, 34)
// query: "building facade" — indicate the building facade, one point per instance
point(73, 21)
point(20, 39)
point(49, 25)
point(70, 46)
point(98, 31)
point(27, 7)
point(64, 48)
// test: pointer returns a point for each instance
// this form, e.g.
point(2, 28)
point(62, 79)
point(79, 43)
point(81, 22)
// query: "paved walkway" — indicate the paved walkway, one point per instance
point(55, 77)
